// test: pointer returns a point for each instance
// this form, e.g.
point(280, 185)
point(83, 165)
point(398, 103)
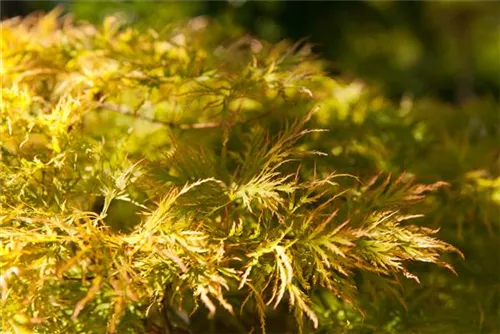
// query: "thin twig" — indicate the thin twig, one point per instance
point(183, 126)
point(85, 278)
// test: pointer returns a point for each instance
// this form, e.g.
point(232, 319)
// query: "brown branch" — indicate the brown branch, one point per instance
point(84, 278)
point(182, 126)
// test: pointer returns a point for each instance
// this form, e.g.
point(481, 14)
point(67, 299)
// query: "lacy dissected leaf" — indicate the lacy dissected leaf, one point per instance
point(150, 178)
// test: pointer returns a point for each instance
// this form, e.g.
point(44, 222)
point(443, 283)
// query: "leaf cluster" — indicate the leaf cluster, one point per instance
point(154, 180)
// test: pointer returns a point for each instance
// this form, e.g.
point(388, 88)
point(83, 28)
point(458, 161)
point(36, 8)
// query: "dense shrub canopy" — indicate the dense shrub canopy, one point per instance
point(189, 180)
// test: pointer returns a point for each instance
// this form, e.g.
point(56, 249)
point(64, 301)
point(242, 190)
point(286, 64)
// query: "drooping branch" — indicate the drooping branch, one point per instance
point(183, 126)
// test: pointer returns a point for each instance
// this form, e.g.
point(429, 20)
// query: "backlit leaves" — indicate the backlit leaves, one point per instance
point(213, 148)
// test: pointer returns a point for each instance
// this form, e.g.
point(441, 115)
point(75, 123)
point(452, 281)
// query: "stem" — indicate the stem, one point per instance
point(182, 126)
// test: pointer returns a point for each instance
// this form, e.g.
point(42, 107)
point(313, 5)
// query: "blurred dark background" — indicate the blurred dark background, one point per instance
point(441, 49)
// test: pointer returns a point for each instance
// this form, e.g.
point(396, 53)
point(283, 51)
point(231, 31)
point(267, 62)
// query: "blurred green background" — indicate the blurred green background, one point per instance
point(443, 49)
